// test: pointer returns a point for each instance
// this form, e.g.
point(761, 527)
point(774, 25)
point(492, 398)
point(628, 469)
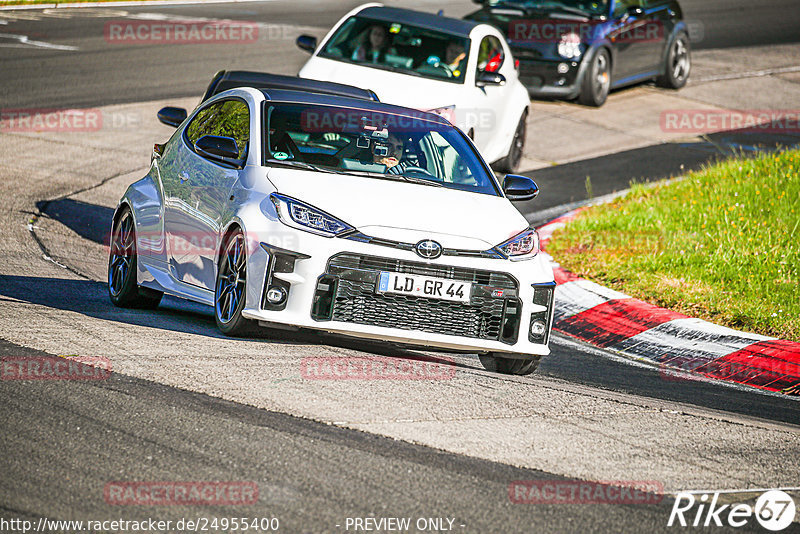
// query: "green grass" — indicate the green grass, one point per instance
point(722, 244)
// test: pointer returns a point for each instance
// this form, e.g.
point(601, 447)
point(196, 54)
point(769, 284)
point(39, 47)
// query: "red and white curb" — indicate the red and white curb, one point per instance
point(614, 321)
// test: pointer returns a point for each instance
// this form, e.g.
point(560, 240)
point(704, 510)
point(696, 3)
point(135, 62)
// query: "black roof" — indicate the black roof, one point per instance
point(305, 97)
point(417, 18)
point(224, 80)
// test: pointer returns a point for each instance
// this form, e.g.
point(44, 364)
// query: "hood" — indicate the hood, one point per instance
point(404, 211)
point(533, 32)
point(392, 87)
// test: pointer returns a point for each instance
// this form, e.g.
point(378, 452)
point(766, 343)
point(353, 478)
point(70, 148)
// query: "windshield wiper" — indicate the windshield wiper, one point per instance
point(302, 165)
point(421, 181)
point(394, 177)
point(368, 174)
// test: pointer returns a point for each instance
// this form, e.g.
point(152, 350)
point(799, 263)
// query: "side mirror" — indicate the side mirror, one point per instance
point(172, 116)
point(307, 43)
point(485, 78)
point(518, 187)
point(222, 149)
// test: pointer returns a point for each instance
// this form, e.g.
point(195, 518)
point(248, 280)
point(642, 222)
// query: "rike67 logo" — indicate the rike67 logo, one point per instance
point(774, 510)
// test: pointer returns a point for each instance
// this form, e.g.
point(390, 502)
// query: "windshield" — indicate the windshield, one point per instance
point(399, 47)
point(407, 147)
point(590, 7)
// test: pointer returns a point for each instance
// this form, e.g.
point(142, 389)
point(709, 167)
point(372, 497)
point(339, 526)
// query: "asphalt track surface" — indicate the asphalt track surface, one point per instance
point(101, 73)
point(63, 440)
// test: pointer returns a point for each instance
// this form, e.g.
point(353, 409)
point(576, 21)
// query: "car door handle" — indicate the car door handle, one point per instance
point(184, 176)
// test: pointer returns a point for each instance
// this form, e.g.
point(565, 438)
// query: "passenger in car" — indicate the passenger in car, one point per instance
point(374, 45)
point(455, 56)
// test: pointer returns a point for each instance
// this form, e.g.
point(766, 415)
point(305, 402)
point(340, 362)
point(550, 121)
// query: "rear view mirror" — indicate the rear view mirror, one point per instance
point(634, 11)
point(222, 149)
point(518, 187)
point(489, 78)
point(307, 43)
point(172, 116)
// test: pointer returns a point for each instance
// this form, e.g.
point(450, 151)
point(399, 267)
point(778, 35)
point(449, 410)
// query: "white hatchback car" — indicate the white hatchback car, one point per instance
point(303, 209)
point(459, 69)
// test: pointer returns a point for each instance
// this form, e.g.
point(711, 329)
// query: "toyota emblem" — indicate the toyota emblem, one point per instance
point(430, 250)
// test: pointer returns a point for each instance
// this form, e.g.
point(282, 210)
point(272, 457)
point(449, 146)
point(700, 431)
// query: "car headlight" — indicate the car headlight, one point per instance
point(570, 46)
point(523, 246)
point(302, 216)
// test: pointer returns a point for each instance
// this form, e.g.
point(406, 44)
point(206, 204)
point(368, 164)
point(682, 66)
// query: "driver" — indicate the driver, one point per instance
point(390, 153)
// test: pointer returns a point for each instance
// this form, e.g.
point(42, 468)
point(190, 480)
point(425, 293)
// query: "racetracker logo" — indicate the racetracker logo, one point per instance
point(774, 510)
point(180, 493)
point(50, 120)
point(553, 31)
point(54, 368)
point(67, 120)
point(370, 123)
point(187, 244)
point(377, 368)
point(133, 32)
point(578, 492)
point(694, 121)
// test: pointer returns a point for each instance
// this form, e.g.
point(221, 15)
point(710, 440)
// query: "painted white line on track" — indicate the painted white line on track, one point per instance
point(26, 42)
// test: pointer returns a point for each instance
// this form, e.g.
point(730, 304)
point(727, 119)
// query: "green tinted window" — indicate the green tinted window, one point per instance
point(230, 118)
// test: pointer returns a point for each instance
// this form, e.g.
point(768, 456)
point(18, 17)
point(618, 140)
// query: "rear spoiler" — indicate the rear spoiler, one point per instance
point(229, 79)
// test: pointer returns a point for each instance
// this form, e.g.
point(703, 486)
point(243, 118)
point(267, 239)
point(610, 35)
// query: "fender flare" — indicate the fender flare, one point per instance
point(589, 56)
point(679, 28)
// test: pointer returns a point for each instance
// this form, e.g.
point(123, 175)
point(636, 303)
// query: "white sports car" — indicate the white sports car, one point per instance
point(335, 213)
point(459, 69)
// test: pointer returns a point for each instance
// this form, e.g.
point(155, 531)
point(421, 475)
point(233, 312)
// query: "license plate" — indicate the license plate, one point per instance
point(424, 286)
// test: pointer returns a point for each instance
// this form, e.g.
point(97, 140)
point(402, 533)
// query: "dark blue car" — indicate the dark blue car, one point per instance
point(581, 49)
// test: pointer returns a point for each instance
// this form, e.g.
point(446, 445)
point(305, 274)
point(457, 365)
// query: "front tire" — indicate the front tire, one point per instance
point(596, 80)
point(678, 64)
point(509, 366)
point(231, 287)
point(123, 290)
point(510, 163)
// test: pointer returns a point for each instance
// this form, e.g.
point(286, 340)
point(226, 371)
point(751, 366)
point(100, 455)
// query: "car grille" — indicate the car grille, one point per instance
point(347, 293)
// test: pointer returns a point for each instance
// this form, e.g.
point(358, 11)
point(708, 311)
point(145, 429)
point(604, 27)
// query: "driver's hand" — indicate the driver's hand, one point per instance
point(331, 136)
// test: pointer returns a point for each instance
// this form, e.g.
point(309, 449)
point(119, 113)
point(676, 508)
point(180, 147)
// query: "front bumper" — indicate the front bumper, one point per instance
point(333, 289)
point(543, 78)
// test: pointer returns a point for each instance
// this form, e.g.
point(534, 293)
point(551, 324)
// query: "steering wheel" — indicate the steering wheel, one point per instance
point(419, 170)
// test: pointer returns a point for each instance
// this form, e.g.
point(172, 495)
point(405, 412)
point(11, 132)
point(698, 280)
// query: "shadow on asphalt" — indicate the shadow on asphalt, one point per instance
point(89, 221)
point(90, 298)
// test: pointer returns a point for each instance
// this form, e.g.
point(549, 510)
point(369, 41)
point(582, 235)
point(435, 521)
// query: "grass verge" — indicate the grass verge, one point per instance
point(723, 244)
